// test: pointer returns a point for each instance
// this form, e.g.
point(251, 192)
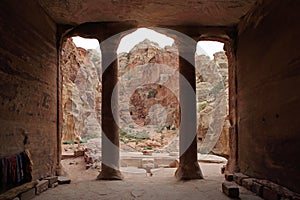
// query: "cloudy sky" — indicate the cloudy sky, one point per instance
point(129, 41)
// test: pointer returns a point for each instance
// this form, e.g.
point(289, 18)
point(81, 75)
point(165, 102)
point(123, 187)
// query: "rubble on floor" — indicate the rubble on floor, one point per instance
point(263, 188)
point(230, 189)
point(29, 190)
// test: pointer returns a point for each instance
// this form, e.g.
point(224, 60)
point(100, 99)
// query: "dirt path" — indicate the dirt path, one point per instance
point(136, 185)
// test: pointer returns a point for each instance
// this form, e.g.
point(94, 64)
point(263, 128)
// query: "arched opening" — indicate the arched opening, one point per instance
point(212, 93)
point(80, 65)
point(148, 102)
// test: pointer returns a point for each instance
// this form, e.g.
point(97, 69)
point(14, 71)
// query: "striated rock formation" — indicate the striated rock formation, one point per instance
point(148, 94)
point(81, 93)
point(212, 104)
point(148, 97)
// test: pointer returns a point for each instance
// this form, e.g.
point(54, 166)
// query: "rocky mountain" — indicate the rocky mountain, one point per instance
point(81, 92)
point(149, 82)
point(148, 97)
point(212, 104)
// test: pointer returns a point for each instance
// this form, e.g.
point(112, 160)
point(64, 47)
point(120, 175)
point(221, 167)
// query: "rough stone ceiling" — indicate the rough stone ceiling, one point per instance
point(148, 12)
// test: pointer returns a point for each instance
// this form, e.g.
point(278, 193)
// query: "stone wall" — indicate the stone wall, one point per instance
point(268, 78)
point(28, 84)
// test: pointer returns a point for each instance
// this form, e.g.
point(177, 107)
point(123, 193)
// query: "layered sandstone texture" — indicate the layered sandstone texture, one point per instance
point(268, 95)
point(81, 93)
point(149, 106)
point(212, 104)
point(149, 13)
point(148, 97)
point(28, 85)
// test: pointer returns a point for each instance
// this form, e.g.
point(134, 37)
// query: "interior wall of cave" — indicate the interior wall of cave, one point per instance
point(268, 101)
point(28, 85)
point(268, 95)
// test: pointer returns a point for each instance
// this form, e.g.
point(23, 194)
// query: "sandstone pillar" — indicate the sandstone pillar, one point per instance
point(110, 129)
point(188, 161)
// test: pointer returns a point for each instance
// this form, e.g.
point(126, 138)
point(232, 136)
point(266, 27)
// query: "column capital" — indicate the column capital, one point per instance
point(110, 29)
point(186, 46)
point(220, 33)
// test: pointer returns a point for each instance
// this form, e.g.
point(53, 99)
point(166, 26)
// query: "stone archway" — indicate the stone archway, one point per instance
point(189, 155)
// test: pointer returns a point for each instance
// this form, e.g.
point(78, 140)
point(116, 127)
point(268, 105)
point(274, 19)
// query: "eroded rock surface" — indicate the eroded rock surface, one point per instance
point(81, 94)
point(148, 97)
point(212, 104)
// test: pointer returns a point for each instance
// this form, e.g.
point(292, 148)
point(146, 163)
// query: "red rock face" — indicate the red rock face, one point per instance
point(212, 103)
point(149, 103)
point(81, 94)
point(150, 64)
point(144, 98)
point(148, 95)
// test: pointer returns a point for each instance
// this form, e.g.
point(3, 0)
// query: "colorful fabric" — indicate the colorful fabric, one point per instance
point(26, 162)
point(20, 167)
point(15, 170)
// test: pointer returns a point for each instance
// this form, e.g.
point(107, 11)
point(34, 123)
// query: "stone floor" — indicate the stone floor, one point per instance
point(137, 185)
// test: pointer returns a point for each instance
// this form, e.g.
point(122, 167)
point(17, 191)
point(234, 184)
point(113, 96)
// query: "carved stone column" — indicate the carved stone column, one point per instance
point(188, 165)
point(110, 129)
point(110, 34)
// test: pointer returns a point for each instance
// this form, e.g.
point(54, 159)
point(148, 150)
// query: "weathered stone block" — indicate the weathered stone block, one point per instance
point(78, 153)
point(147, 152)
point(238, 177)
point(230, 189)
point(41, 186)
point(51, 180)
point(257, 188)
point(28, 194)
point(54, 185)
point(248, 183)
point(63, 180)
point(229, 177)
point(269, 194)
point(148, 163)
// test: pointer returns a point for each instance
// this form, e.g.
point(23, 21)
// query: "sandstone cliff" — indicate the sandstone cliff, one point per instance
point(212, 104)
point(81, 93)
point(148, 97)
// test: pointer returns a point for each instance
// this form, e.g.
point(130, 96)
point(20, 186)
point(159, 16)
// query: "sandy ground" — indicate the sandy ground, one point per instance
point(137, 185)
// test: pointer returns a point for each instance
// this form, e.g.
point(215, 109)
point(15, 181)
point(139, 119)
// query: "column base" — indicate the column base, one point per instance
point(108, 173)
point(59, 170)
point(189, 171)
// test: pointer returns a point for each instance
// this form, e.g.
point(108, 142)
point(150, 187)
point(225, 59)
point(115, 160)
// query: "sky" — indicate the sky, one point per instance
point(129, 41)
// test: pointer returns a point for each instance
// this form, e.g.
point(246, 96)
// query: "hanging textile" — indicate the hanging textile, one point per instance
point(15, 170)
